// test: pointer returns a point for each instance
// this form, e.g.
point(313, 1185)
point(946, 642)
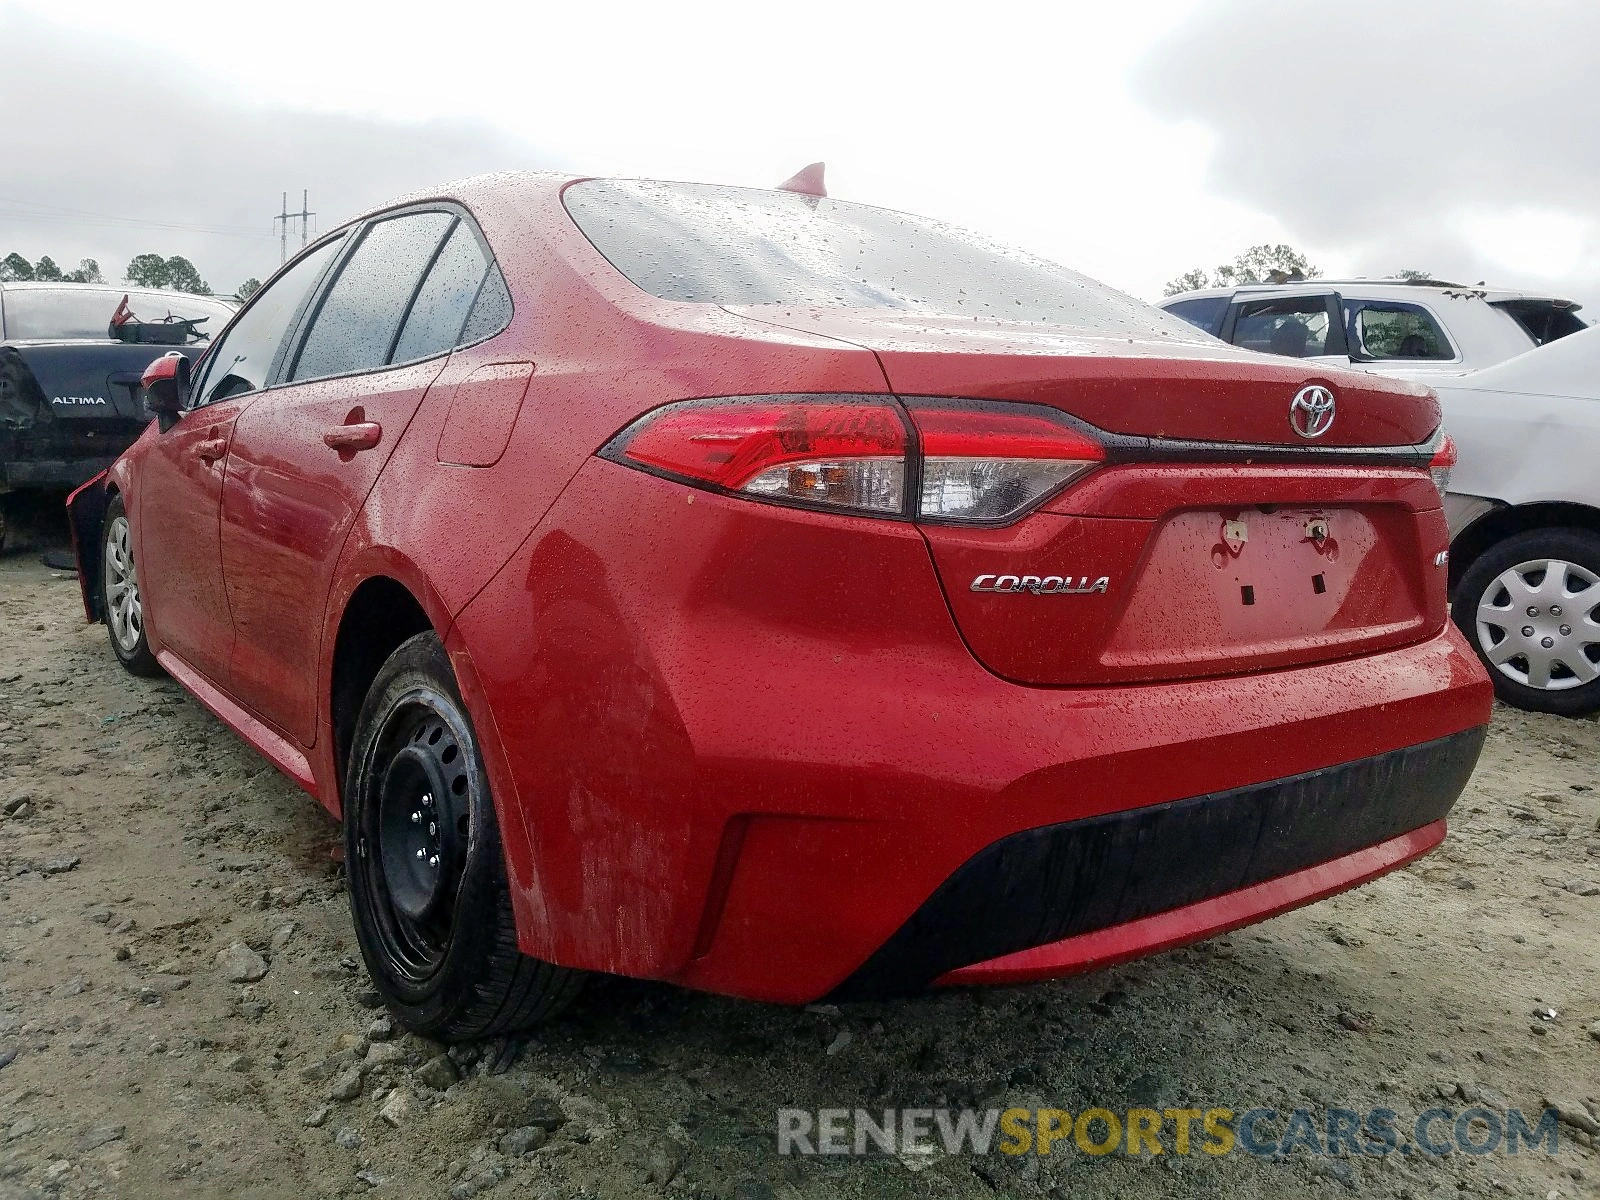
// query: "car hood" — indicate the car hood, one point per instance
point(1183, 386)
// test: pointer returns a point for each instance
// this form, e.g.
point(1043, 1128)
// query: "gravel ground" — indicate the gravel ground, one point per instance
point(183, 1013)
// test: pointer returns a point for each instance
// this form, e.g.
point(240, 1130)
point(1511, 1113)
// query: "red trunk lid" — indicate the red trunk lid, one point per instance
point(1209, 570)
point(1181, 567)
point(1199, 390)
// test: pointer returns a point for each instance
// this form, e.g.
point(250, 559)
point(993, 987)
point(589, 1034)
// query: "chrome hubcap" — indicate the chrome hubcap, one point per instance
point(124, 611)
point(1536, 624)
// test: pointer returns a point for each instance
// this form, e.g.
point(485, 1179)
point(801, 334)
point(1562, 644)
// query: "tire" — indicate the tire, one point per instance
point(119, 594)
point(1530, 606)
point(426, 870)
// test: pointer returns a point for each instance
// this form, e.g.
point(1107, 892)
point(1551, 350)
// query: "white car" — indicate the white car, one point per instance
point(1524, 512)
point(1416, 330)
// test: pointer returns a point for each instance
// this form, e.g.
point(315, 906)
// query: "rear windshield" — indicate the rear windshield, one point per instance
point(73, 313)
point(703, 244)
point(1544, 320)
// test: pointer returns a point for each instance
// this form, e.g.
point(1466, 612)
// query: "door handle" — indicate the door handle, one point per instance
point(211, 449)
point(347, 439)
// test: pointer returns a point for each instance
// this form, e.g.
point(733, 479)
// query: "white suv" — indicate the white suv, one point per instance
point(1415, 330)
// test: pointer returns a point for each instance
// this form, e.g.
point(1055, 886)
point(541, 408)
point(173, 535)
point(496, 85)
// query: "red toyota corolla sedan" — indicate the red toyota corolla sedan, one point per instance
point(785, 597)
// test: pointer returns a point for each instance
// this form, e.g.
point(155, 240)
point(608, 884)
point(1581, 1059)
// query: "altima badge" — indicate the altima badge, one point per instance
point(1040, 585)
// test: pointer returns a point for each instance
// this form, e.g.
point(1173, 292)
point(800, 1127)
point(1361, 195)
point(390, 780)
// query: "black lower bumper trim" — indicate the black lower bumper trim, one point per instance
point(1042, 885)
point(52, 473)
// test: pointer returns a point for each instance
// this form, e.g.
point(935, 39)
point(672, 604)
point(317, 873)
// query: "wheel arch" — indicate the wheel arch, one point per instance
point(379, 614)
point(1497, 525)
point(379, 606)
point(86, 518)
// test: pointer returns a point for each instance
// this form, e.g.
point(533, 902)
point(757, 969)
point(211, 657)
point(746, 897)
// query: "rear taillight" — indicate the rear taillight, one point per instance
point(991, 462)
point(963, 461)
point(837, 452)
point(1443, 459)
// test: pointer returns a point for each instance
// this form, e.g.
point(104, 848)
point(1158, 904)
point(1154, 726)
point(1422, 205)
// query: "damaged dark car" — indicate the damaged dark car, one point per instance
point(70, 360)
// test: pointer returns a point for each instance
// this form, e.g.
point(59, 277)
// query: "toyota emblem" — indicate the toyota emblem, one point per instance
point(1311, 412)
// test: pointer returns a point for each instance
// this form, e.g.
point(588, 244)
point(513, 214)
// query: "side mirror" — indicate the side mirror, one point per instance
point(166, 388)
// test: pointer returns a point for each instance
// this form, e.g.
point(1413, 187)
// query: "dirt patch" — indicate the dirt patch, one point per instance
point(152, 867)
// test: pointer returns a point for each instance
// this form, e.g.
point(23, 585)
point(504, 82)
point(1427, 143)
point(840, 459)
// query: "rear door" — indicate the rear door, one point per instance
point(181, 477)
point(303, 459)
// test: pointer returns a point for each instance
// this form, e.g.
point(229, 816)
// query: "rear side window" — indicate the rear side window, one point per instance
point(241, 360)
point(1393, 330)
point(445, 298)
point(491, 311)
point(1293, 326)
point(357, 323)
point(1204, 313)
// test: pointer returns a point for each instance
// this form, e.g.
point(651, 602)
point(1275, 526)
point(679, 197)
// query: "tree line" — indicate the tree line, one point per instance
point(15, 268)
point(1259, 264)
point(146, 270)
point(1265, 264)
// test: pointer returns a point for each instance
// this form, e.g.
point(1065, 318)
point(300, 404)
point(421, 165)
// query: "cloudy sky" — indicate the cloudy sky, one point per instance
point(1131, 141)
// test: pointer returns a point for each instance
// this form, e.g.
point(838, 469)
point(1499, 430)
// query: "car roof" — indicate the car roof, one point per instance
point(110, 289)
point(24, 285)
point(1389, 289)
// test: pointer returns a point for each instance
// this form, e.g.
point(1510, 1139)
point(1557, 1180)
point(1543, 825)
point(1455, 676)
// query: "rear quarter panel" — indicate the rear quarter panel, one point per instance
point(1523, 448)
point(602, 352)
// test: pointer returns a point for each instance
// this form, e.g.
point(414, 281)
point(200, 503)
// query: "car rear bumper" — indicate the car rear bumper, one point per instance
point(1022, 904)
point(1103, 808)
point(1204, 918)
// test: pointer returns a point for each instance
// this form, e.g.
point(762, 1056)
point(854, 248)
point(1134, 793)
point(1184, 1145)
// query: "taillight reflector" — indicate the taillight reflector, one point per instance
point(1444, 458)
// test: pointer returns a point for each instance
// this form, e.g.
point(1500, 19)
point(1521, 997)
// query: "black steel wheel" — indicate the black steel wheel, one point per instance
point(427, 878)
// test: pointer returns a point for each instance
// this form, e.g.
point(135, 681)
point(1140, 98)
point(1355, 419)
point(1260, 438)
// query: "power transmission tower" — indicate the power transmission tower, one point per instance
point(282, 221)
point(304, 217)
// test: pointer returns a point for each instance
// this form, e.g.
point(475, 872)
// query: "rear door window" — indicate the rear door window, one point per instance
point(491, 312)
point(358, 320)
point(1293, 326)
point(440, 310)
point(1384, 330)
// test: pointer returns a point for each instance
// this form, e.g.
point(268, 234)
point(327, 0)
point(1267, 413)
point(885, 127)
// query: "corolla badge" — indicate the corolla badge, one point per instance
point(1041, 585)
point(1311, 411)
